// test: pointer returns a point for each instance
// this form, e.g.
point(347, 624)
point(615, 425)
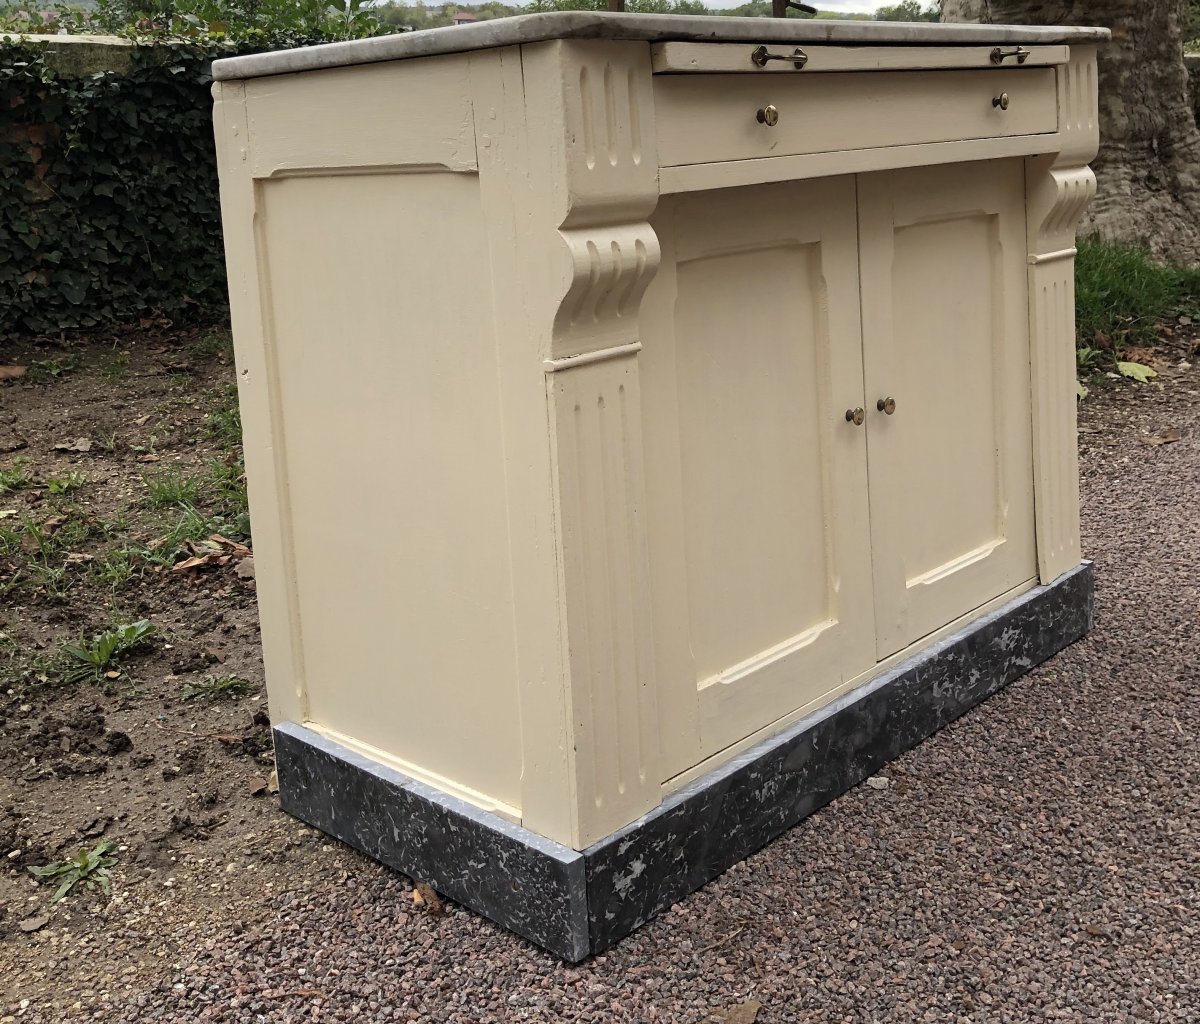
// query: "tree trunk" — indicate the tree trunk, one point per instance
point(1149, 164)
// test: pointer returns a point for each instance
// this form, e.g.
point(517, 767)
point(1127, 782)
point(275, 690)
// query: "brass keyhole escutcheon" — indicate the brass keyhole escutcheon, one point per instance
point(887, 406)
point(768, 115)
point(1002, 101)
point(856, 416)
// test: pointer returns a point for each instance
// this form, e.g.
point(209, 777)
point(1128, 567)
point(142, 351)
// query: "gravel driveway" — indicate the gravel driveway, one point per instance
point(1036, 861)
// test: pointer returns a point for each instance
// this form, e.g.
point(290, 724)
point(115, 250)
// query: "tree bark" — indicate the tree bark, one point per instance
point(1148, 169)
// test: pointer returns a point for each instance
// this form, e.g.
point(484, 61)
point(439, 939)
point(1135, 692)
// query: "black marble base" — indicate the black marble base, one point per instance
point(574, 904)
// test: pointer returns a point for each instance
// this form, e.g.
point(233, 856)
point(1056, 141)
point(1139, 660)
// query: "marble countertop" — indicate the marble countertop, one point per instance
point(534, 28)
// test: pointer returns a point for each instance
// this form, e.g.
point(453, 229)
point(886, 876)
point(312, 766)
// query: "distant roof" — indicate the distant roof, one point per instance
point(464, 16)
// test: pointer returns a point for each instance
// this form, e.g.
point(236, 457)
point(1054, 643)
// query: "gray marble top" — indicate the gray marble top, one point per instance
point(533, 28)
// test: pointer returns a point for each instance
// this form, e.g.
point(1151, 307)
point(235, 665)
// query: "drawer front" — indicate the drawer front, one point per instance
point(713, 118)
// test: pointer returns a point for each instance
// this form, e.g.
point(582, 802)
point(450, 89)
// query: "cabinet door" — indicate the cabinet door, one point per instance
point(756, 483)
point(945, 335)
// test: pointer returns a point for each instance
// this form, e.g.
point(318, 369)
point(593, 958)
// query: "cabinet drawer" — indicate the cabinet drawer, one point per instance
point(712, 118)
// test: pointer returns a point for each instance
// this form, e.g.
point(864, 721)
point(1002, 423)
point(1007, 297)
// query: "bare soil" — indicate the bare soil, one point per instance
point(1037, 860)
point(180, 785)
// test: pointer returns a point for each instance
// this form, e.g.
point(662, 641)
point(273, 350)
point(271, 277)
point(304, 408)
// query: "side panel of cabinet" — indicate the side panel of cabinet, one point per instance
point(756, 484)
point(945, 335)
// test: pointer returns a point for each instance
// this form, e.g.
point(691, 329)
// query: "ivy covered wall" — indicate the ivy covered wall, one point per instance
point(108, 185)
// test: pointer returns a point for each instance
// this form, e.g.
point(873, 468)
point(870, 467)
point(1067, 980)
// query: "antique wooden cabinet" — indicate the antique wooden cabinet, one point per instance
point(653, 425)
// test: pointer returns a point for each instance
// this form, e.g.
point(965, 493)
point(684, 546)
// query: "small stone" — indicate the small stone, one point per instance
point(35, 923)
point(879, 782)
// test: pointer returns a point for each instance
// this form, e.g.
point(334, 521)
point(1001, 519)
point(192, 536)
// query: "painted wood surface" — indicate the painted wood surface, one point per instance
point(756, 483)
point(710, 118)
point(404, 116)
point(691, 58)
point(581, 338)
point(945, 337)
point(1059, 189)
point(760, 170)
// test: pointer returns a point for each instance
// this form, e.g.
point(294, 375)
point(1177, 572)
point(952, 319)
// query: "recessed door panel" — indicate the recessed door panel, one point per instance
point(756, 483)
point(945, 338)
point(749, 406)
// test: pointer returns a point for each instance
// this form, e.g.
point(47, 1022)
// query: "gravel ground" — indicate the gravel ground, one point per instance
point(1036, 861)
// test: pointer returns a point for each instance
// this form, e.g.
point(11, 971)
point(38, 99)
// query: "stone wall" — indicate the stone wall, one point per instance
point(76, 56)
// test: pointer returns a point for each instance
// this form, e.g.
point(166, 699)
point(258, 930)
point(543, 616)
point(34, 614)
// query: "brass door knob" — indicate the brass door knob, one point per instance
point(856, 416)
point(886, 406)
point(1001, 101)
point(768, 115)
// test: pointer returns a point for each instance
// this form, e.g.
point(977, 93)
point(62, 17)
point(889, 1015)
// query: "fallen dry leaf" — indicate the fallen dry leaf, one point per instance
point(240, 550)
point(79, 558)
point(424, 896)
point(200, 562)
point(273, 782)
point(245, 569)
point(142, 419)
point(148, 458)
point(1141, 354)
point(80, 444)
point(33, 924)
point(1166, 437)
point(113, 674)
point(12, 372)
point(51, 525)
point(258, 787)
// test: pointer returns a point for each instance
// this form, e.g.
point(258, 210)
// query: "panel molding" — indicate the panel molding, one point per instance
point(249, 313)
point(1058, 189)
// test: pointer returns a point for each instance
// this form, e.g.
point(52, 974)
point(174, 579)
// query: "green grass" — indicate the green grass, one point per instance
point(52, 369)
point(87, 869)
point(223, 423)
point(114, 365)
point(1122, 295)
point(211, 345)
point(116, 567)
point(91, 660)
point(16, 478)
point(63, 484)
point(173, 487)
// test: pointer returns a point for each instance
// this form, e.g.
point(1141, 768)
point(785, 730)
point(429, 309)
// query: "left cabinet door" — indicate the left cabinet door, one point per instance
point(756, 482)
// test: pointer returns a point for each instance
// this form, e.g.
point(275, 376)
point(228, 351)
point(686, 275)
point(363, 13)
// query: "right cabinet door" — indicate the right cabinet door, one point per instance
point(946, 367)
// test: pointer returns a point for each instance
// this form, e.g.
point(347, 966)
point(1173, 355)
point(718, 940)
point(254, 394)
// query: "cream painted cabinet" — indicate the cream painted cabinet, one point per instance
point(653, 425)
point(837, 433)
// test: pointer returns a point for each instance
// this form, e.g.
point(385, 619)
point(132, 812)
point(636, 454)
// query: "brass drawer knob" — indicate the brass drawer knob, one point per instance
point(887, 406)
point(768, 115)
point(1001, 101)
point(856, 416)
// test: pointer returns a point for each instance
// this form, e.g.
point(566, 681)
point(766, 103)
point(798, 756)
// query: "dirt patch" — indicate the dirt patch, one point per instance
point(120, 461)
